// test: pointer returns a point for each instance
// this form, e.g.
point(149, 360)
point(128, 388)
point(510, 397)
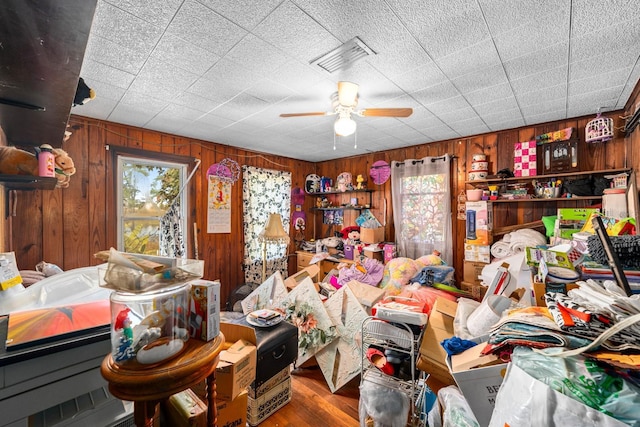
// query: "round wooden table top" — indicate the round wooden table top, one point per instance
point(133, 381)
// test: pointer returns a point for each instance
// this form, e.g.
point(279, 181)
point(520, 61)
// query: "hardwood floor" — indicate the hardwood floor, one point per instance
point(312, 403)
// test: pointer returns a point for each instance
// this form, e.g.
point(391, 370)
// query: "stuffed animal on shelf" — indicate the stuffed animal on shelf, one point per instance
point(14, 161)
point(64, 167)
point(83, 94)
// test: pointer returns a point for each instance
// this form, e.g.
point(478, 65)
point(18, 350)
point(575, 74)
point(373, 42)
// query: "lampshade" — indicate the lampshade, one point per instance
point(344, 126)
point(273, 231)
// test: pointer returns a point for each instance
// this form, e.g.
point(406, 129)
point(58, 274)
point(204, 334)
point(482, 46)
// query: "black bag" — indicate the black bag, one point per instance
point(600, 183)
point(580, 186)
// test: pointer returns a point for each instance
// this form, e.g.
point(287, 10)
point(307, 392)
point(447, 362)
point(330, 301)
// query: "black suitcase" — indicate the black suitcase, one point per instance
point(277, 347)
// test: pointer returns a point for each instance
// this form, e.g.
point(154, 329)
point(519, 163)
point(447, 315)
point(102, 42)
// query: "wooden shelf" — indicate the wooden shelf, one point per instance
point(547, 176)
point(339, 208)
point(366, 190)
point(27, 182)
point(554, 199)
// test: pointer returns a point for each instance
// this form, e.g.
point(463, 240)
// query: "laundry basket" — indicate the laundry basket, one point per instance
point(599, 129)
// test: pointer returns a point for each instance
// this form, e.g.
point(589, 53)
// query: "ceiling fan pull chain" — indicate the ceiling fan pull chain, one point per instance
point(334, 140)
point(355, 140)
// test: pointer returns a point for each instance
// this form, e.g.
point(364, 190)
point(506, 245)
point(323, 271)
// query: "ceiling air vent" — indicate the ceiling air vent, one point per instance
point(343, 56)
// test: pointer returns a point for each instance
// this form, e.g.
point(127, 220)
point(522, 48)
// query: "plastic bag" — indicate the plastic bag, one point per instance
point(563, 391)
point(385, 406)
point(457, 412)
point(466, 306)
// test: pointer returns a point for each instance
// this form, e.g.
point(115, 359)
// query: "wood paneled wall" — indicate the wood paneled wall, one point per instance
point(67, 226)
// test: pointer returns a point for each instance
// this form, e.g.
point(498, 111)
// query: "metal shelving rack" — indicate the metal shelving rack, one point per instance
point(414, 388)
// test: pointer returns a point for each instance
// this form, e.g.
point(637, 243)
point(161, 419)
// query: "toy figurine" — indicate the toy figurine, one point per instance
point(360, 181)
point(123, 327)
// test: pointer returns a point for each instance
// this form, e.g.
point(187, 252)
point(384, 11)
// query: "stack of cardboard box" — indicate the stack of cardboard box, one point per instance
point(478, 239)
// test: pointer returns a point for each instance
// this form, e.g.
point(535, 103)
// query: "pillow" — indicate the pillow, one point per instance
point(397, 273)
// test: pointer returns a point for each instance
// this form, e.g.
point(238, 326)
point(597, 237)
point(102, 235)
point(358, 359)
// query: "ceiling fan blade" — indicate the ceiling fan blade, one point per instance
point(386, 112)
point(318, 113)
point(347, 93)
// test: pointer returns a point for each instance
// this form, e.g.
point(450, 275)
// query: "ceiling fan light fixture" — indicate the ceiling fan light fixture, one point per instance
point(344, 126)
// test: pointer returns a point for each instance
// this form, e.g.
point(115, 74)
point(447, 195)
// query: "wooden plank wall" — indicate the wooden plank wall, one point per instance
point(67, 226)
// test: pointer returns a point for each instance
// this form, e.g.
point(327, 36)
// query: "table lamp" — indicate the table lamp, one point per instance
point(273, 233)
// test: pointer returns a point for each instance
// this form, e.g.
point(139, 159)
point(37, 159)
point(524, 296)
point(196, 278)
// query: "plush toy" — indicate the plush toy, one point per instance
point(14, 161)
point(83, 94)
point(351, 234)
point(360, 181)
point(64, 167)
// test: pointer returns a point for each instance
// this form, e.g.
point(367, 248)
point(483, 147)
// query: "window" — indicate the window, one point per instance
point(422, 207)
point(148, 192)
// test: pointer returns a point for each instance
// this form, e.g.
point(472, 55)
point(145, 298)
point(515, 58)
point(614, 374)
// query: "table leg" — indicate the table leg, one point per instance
point(144, 413)
point(212, 410)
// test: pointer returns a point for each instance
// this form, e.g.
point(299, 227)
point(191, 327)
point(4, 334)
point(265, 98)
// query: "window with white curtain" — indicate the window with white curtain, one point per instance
point(421, 196)
point(264, 191)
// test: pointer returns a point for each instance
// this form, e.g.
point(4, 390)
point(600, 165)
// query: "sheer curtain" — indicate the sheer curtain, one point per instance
point(421, 197)
point(264, 191)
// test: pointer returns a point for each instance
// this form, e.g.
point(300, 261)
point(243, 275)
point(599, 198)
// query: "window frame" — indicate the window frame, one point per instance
point(151, 158)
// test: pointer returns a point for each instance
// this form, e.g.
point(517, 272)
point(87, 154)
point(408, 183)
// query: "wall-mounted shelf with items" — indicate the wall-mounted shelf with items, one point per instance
point(346, 206)
point(548, 176)
point(552, 199)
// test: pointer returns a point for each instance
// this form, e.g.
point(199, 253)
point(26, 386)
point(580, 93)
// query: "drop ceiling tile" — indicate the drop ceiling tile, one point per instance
point(544, 117)
point(499, 117)
point(544, 106)
point(396, 61)
point(618, 36)
point(296, 33)
point(215, 91)
point(93, 71)
point(473, 59)
point(530, 63)
point(442, 30)
point(607, 61)
point(130, 116)
point(605, 98)
point(105, 90)
point(142, 101)
point(230, 113)
point(600, 81)
point(497, 106)
point(440, 133)
point(589, 15)
point(489, 94)
point(212, 121)
point(540, 32)
point(542, 95)
point(546, 77)
point(99, 108)
point(436, 93)
point(470, 126)
point(168, 124)
point(450, 106)
point(629, 86)
point(162, 79)
point(269, 91)
point(504, 16)
point(247, 103)
point(203, 27)
point(199, 103)
point(114, 55)
point(258, 55)
point(155, 12)
point(233, 75)
point(480, 79)
point(419, 78)
point(508, 123)
point(183, 54)
point(124, 29)
point(245, 13)
point(451, 117)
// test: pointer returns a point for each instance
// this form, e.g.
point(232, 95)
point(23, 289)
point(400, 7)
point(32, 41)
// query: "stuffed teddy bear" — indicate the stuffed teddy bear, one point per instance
point(64, 167)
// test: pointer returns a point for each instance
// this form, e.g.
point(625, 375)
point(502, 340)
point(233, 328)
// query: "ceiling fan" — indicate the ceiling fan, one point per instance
point(344, 103)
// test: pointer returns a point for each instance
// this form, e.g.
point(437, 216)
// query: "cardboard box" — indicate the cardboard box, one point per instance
point(477, 291)
point(311, 272)
point(480, 387)
point(477, 253)
point(261, 408)
point(437, 371)
point(372, 235)
point(233, 412)
point(539, 289)
point(479, 222)
point(472, 270)
point(237, 366)
point(204, 312)
point(570, 221)
point(367, 295)
point(374, 253)
point(438, 328)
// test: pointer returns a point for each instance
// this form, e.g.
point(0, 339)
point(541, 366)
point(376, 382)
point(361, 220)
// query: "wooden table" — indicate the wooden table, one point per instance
point(147, 386)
